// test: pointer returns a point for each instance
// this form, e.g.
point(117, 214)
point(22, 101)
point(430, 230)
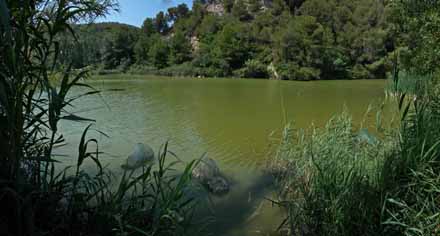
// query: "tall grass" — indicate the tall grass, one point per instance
point(407, 83)
point(410, 175)
point(154, 200)
point(35, 197)
point(335, 182)
point(329, 180)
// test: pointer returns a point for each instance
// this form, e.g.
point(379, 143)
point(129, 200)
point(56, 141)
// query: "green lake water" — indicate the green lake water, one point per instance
point(235, 122)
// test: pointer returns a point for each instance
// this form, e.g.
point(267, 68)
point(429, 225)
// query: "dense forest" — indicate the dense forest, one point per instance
point(283, 39)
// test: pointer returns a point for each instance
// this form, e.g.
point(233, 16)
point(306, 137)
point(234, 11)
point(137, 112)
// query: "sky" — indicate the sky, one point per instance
point(134, 12)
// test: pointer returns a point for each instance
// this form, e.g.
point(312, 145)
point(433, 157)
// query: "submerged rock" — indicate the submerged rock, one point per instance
point(206, 170)
point(218, 185)
point(208, 174)
point(140, 155)
point(366, 137)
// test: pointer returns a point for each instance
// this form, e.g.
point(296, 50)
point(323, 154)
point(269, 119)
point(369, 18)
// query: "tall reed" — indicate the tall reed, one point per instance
point(334, 181)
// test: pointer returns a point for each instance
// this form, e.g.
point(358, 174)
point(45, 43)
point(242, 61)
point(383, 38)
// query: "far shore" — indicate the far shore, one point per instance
point(128, 76)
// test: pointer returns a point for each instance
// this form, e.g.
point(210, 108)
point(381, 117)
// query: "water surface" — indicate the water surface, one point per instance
point(232, 121)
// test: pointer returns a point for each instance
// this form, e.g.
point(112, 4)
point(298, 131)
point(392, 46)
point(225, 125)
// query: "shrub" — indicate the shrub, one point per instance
point(185, 69)
point(292, 71)
point(360, 72)
point(138, 69)
point(253, 69)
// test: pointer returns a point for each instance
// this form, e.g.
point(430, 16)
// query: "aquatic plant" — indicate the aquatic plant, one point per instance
point(408, 83)
point(410, 174)
point(333, 182)
point(152, 200)
point(328, 181)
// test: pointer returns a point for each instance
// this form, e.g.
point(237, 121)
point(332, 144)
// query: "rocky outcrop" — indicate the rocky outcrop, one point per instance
point(208, 174)
point(215, 7)
point(195, 43)
point(273, 71)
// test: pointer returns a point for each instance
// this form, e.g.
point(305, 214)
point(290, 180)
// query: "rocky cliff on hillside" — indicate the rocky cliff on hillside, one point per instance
point(215, 7)
point(195, 43)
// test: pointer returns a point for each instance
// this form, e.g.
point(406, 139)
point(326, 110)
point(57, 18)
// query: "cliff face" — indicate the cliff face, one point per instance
point(195, 43)
point(215, 7)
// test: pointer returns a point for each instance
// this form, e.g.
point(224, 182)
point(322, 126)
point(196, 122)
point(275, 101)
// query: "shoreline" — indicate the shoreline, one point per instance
point(120, 76)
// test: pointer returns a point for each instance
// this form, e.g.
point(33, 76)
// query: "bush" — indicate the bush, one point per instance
point(378, 69)
point(185, 69)
point(108, 72)
point(292, 71)
point(138, 69)
point(253, 69)
point(360, 72)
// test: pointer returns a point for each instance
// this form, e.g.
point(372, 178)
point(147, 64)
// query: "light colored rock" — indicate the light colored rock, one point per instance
point(273, 71)
point(141, 154)
point(195, 43)
point(215, 7)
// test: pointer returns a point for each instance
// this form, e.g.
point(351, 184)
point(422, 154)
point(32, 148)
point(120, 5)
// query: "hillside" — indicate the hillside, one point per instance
point(95, 42)
point(284, 39)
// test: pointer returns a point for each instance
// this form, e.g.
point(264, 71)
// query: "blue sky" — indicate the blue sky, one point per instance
point(134, 12)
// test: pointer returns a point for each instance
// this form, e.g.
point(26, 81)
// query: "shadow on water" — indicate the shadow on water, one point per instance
point(237, 208)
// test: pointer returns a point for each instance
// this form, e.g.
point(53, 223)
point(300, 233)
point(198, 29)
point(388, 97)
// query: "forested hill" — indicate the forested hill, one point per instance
point(284, 39)
point(95, 45)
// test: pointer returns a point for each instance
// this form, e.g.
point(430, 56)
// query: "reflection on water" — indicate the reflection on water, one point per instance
point(230, 120)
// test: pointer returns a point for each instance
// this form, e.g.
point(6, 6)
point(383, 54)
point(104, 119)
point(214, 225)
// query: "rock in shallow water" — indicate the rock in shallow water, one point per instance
point(141, 154)
point(218, 185)
point(206, 170)
point(364, 136)
point(208, 174)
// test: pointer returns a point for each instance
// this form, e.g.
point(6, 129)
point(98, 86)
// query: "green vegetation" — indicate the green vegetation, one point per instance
point(37, 197)
point(292, 40)
point(329, 180)
point(408, 83)
point(333, 181)
point(344, 181)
